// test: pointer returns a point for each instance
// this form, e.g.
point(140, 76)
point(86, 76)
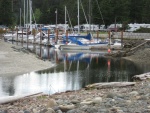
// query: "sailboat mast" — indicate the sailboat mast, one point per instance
point(78, 19)
point(27, 15)
point(20, 17)
point(30, 8)
point(24, 13)
point(89, 15)
point(65, 19)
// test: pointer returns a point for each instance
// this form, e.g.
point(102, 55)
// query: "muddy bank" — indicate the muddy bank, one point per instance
point(16, 61)
point(141, 56)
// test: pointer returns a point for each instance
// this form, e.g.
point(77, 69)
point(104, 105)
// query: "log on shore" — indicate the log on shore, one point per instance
point(10, 99)
point(110, 85)
point(142, 76)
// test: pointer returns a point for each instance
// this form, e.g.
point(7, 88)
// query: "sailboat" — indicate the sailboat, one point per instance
point(80, 42)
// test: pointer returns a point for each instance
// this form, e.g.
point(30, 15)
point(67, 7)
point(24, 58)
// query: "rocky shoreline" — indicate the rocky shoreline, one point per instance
point(130, 99)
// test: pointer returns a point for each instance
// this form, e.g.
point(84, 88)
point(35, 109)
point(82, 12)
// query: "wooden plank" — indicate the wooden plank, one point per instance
point(10, 99)
point(110, 84)
point(142, 76)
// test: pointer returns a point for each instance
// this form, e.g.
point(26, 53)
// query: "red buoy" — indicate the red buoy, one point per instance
point(109, 50)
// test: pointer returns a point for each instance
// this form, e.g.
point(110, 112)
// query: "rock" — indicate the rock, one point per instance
point(65, 108)
point(50, 110)
point(148, 107)
point(51, 103)
point(111, 95)
point(86, 102)
point(59, 111)
point(26, 111)
point(74, 111)
point(97, 100)
point(134, 93)
point(75, 101)
point(35, 110)
point(19, 112)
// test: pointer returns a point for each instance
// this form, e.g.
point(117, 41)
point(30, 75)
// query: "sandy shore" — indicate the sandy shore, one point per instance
point(14, 61)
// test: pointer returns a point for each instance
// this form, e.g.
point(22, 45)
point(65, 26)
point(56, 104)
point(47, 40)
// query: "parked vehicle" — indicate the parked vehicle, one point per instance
point(103, 28)
point(135, 26)
point(114, 27)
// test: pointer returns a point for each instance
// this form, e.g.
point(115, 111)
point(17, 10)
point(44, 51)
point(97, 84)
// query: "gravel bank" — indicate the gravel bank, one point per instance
point(131, 99)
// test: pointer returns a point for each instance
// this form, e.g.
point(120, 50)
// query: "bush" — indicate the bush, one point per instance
point(142, 30)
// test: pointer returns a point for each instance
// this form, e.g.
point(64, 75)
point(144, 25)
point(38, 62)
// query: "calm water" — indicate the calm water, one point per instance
point(74, 70)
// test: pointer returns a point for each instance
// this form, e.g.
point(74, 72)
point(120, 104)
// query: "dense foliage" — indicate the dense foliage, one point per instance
point(102, 11)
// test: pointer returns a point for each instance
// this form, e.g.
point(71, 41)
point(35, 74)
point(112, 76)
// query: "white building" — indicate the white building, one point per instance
point(87, 27)
point(136, 26)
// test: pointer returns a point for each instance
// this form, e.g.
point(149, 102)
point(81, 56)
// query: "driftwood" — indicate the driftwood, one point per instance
point(110, 85)
point(138, 46)
point(10, 99)
point(142, 76)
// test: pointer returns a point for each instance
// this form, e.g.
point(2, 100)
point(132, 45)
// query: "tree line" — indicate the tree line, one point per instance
point(101, 11)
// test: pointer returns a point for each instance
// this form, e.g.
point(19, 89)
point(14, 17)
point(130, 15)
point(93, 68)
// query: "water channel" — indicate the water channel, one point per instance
point(74, 70)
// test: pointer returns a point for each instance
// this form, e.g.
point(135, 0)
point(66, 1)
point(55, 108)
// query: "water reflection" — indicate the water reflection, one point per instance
point(74, 70)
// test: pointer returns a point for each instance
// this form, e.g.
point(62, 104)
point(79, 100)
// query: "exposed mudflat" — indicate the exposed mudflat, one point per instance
point(15, 60)
point(140, 55)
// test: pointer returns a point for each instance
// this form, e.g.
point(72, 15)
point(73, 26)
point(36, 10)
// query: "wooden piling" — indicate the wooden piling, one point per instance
point(67, 36)
point(97, 35)
point(121, 39)
point(48, 37)
point(40, 37)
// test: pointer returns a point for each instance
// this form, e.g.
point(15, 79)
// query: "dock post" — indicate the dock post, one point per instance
point(22, 37)
point(27, 36)
point(56, 35)
point(17, 36)
point(109, 36)
point(121, 39)
point(97, 35)
point(40, 36)
point(66, 36)
point(34, 35)
point(48, 37)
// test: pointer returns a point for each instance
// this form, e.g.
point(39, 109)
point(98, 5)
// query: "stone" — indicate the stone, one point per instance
point(59, 111)
point(86, 102)
point(51, 103)
point(111, 95)
point(50, 110)
point(65, 108)
point(134, 93)
point(97, 100)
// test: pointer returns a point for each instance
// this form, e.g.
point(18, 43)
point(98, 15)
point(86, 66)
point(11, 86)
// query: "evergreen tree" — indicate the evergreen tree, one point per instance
point(6, 12)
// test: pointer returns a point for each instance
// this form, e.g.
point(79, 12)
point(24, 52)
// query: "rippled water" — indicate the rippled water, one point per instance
point(74, 70)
